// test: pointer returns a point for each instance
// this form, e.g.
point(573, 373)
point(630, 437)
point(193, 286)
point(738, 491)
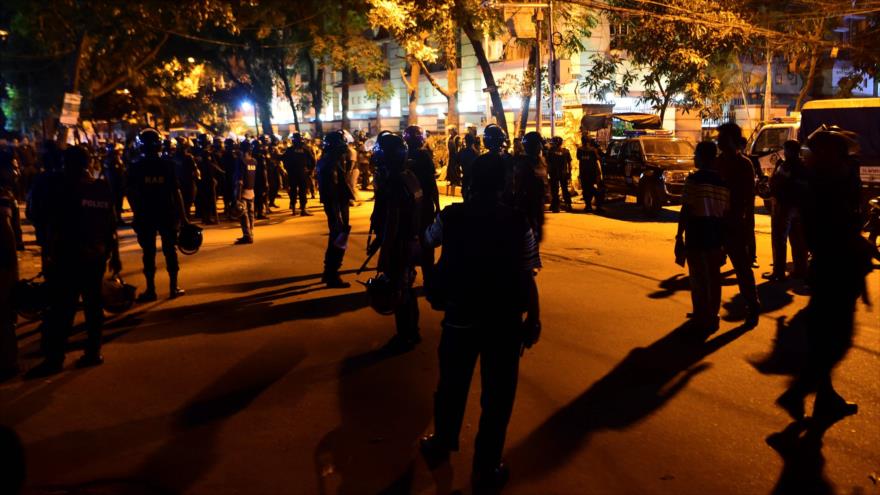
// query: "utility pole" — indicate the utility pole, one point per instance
point(768, 86)
point(552, 75)
point(539, 16)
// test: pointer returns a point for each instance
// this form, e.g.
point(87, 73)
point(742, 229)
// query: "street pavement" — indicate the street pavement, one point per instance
point(261, 380)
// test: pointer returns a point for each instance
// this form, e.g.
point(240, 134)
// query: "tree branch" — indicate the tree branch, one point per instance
point(108, 87)
point(405, 79)
point(443, 91)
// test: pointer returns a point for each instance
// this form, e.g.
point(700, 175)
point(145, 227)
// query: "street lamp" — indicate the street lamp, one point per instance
point(247, 106)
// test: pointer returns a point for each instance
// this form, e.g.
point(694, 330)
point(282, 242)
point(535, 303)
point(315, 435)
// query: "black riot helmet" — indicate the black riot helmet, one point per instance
point(333, 140)
point(390, 151)
point(189, 240)
point(76, 159)
point(494, 138)
point(117, 295)
point(533, 143)
point(297, 139)
point(414, 136)
point(149, 142)
point(382, 295)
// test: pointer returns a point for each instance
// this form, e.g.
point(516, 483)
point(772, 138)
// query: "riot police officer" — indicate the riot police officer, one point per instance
point(114, 172)
point(529, 185)
point(261, 187)
point(559, 169)
point(590, 173)
point(229, 164)
point(299, 161)
point(421, 162)
point(484, 283)
point(155, 198)
point(335, 190)
point(188, 174)
point(396, 222)
point(245, 180)
point(209, 170)
point(81, 238)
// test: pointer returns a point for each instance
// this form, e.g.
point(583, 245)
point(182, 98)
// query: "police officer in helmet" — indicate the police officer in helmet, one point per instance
point(299, 160)
point(421, 162)
point(529, 184)
point(335, 190)
point(157, 204)
point(81, 239)
point(396, 220)
point(559, 170)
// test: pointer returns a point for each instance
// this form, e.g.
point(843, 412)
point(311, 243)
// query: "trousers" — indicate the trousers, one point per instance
point(704, 274)
point(498, 348)
point(337, 223)
point(66, 285)
point(555, 184)
point(247, 219)
point(146, 237)
point(786, 226)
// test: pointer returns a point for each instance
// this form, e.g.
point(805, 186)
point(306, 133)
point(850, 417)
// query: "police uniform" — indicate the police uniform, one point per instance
point(299, 161)
point(154, 194)
point(207, 192)
point(80, 239)
point(559, 169)
point(229, 164)
point(333, 186)
point(246, 178)
point(187, 177)
point(421, 162)
point(590, 176)
point(261, 187)
point(397, 223)
point(529, 188)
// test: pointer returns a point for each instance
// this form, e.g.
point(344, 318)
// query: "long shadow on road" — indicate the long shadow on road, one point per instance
point(191, 433)
point(236, 314)
point(636, 388)
point(386, 404)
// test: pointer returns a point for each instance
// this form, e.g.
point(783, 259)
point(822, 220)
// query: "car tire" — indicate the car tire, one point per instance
point(651, 200)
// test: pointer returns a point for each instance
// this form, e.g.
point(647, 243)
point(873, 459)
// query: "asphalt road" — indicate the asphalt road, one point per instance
point(260, 380)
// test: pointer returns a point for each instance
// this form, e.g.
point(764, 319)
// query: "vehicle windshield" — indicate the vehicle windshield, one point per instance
point(668, 147)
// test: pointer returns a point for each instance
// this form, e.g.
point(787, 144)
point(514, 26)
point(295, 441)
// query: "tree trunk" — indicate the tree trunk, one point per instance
point(452, 117)
point(811, 74)
point(488, 77)
point(281, 72)
point(378, 116)
point(526, 94)
point(266, 115)
point(414, 73)
point(316, 86)
point(346, 85)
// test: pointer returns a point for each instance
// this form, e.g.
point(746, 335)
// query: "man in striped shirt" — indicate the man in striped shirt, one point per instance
point(701, 224)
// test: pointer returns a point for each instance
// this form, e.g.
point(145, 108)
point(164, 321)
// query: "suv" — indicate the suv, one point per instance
point(651, 168)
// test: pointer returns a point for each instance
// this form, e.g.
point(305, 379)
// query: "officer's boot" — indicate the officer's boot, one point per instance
point(149, 295)
point(303, 212)
point(173, 290)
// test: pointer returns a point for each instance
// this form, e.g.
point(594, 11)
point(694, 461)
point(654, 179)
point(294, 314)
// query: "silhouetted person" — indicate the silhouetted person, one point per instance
point(396, 222)
point(466, 158)
point(261, 186)
point(8, 278)
point(188, 175)
point(245, 184)
point(114, 173)
point(209, 170)
point(12, 469)
point(229, 164)
point(299, 161)
point(155, 199)
point(421, 162)
point(484, 282)
point(590, 173)
point(705, 205)
point(559, 170)
point(788, 187)
point(336, 194)
point(529, 185)
point(81, 239)
point(841, 261)
point(453, 166)
point(739, 175)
